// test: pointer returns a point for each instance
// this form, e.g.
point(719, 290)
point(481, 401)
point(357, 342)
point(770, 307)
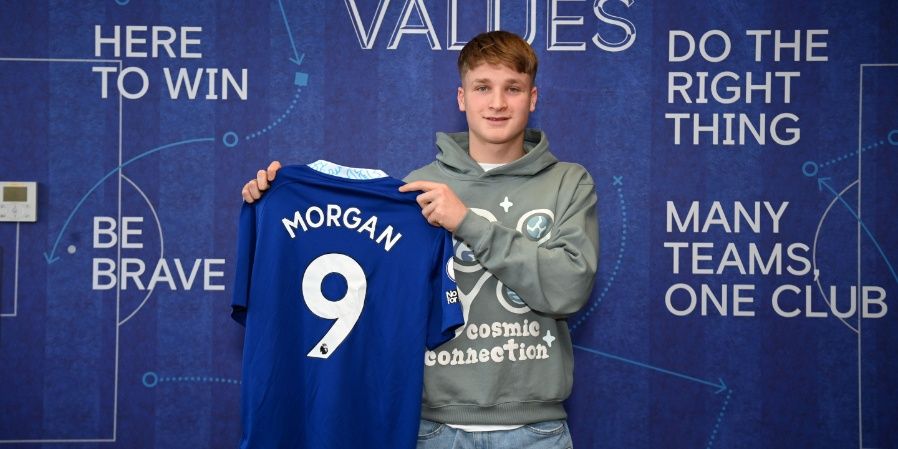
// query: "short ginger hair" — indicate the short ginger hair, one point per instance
point(499, 48)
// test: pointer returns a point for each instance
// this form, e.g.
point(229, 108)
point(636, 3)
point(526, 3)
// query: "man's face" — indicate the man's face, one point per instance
point(497, 101)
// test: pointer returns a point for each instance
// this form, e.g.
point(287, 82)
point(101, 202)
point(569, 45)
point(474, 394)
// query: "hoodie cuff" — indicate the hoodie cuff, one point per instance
point(472, 230)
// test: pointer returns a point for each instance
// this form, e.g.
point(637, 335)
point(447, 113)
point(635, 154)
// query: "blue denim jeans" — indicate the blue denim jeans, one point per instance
point(542, 435)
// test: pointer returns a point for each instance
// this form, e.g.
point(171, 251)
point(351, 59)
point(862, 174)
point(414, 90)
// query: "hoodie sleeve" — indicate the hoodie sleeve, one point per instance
point(554, 277)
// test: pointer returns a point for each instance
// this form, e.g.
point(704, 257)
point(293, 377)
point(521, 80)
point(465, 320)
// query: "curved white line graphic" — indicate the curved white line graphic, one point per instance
point(814, 257)
point(161, 245)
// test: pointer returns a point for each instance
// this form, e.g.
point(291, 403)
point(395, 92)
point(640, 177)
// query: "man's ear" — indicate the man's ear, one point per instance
point(461, 99)
point(533, 96)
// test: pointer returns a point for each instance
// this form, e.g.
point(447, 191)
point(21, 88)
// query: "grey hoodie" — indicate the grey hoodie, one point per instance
point(525, 258)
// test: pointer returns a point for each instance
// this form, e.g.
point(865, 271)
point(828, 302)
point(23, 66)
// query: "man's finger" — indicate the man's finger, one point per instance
point(273, 169)
point(426, 198)
point(427, 210)
point(250, 192)
point(262, 180)
point(424, 186)
point(254, 191)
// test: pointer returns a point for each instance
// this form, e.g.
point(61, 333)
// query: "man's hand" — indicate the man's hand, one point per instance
point(439, 204)
point(253, 189)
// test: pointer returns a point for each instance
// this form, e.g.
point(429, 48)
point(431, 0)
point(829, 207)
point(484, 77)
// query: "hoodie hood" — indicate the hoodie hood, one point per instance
point(455, 156)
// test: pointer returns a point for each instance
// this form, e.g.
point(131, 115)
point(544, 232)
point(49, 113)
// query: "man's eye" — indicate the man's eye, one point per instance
point(481, 89)
point(514, 89)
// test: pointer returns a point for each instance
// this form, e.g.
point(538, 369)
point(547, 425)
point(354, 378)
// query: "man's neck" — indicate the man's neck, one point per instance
point(489, 153)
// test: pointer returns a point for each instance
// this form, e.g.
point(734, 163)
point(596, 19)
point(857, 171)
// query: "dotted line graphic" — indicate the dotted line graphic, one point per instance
point(617, 263)
point(151, 379)
point(723, 410)
point(812, 168)
point(279, 120)
point(853, 153)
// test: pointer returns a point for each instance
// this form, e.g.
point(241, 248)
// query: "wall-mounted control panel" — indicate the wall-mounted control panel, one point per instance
point(18, 201)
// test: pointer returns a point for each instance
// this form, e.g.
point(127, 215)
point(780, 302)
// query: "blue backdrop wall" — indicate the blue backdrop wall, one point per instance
point(743, 154)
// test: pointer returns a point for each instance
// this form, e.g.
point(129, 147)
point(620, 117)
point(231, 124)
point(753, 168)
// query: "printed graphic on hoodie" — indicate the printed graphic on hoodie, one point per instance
point(536, 225)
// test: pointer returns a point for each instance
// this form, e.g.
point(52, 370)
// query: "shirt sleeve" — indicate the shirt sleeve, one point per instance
point(554, 277)
point(246, 246)
point(445, 308)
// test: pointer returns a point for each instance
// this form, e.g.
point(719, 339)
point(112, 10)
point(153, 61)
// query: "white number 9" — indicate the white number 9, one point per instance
point(346, 310)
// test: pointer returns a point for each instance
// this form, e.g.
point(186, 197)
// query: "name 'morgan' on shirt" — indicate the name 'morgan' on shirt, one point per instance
point(335, 215)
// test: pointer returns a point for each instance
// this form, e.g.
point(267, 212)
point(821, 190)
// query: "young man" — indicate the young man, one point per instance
point(526, 255)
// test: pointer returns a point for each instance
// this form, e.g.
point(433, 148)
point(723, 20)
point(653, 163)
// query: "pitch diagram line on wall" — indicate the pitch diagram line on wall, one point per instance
point(845, 156)
point(300, 79)
point(118, 292)
point(811, 169)
point(15, 285)
point(297, 58)
point(15, 281)
point(118, 274)
point(111, 61)
point(60, 441)
point(824, 182)
point(860, 374)
point(151, 379)
point(723, 410)
point(861, 226)
point(814, 255)
point(280, 119)
point(50, 256)
point(161, 246)
point(720, 385)
point(618, 181)
point(72, 60)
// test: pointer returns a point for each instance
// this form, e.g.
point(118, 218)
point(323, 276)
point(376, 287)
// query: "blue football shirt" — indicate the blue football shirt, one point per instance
point(341, 284)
